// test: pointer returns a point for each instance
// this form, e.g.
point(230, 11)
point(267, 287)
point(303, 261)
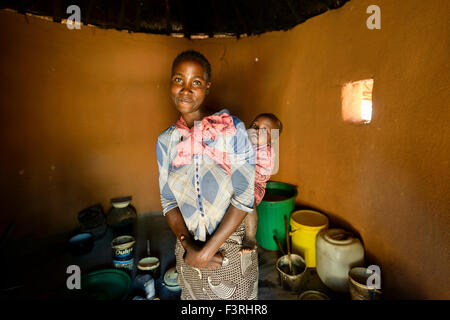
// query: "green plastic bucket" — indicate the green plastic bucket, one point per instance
point(278, 201)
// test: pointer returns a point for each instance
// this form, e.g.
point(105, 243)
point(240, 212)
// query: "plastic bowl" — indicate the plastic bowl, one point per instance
point(81, 243)
point(105, 284)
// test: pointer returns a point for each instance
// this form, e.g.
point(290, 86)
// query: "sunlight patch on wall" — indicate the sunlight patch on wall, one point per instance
point(357, 101)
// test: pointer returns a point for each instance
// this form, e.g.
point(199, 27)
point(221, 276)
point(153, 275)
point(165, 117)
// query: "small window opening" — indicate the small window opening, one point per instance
point(357, 101)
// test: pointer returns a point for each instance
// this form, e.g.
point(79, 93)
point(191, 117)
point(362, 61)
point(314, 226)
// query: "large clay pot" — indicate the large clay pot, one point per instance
point(337, 251)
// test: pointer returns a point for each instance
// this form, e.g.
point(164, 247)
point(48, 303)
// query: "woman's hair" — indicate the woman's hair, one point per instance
point(196, 56)
point(272, 117)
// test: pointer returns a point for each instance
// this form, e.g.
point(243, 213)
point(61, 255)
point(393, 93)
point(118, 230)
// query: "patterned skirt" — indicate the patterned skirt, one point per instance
point(236, 279)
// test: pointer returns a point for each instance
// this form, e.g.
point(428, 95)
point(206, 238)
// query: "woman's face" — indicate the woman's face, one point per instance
point(189, 86)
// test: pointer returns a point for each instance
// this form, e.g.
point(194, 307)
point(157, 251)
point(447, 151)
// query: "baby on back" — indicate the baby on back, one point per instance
point(263, 131)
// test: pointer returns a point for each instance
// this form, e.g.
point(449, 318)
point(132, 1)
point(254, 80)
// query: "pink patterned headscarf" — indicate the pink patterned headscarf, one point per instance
point(209, 128)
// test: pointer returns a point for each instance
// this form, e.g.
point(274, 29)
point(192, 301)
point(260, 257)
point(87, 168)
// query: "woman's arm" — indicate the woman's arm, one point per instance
point(193, 255)
point(176, 223)
point(168, 201)
point(230, 222)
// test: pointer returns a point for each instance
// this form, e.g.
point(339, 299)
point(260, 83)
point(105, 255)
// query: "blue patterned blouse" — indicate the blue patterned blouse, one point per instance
point(202, 189)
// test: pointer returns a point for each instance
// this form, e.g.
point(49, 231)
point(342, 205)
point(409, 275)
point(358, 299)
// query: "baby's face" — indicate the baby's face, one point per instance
point(260, 132)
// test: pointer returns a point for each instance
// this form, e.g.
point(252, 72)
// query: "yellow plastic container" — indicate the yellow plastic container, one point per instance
point(305, 225)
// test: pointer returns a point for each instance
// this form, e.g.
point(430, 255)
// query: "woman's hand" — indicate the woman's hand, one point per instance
point(216, 261)
point(195, 257)
point(198, 258)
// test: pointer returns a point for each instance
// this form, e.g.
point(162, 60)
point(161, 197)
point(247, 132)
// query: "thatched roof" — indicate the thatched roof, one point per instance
point(196, 18)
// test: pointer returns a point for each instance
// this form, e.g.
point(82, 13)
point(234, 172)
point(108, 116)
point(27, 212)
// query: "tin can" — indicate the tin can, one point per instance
point(123, 252)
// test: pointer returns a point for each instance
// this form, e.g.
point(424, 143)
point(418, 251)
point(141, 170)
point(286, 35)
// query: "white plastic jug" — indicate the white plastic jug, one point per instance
point(337, 251)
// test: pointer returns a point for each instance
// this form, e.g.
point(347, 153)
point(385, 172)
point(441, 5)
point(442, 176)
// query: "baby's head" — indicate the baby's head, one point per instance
point(260, 131)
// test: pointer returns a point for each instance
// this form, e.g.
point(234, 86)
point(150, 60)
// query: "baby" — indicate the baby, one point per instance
point(260, 134)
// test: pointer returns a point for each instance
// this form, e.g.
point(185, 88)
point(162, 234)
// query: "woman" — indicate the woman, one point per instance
point(206, 179)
